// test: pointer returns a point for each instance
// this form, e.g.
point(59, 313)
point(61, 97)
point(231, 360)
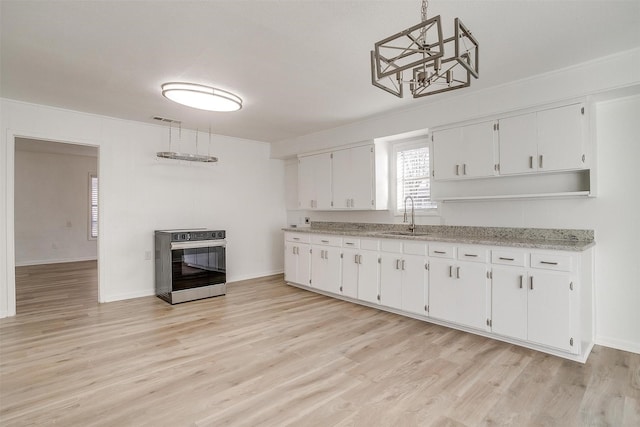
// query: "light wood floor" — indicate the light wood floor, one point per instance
point(271, 354)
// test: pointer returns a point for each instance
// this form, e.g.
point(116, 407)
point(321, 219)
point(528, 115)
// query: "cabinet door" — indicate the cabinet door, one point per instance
point(341, 179)
point(414, 285)
point(447, 147)
point(304, 264)
point(471, 294)
point(509, 302)
point(478, 148)
point(290, 262)
point(306, 183)
point(561, 138)
point(518, 144)
point(368, 276)
point(361, 177)
point(318, 267)
point(549, 309)
point(314, 182)
point(391, 280)
point(333, 277)
point(442, 290)
point(350, 272)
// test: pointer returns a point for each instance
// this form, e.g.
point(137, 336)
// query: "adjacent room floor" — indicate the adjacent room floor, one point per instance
point(271, 354)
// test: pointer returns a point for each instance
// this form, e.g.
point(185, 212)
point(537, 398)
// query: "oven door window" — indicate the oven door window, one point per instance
point(195, 267)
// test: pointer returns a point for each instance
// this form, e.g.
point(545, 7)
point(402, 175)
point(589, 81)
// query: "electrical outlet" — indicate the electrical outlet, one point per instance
point(147, 255)
point(307, 220)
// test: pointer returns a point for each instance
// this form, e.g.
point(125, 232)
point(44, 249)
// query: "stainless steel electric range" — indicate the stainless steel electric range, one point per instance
point(190, 264)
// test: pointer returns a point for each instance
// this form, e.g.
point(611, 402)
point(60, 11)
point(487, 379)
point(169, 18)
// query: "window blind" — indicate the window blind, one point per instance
point(412, 171)
point(93, 220)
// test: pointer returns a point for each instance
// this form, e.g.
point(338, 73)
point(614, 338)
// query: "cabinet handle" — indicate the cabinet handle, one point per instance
point(403, 264)
point(506, 259)
point(471, 255)
point(457, 169)
point(439, 252)
point(464, 169)
point(548, 263)
point(359, 259)
point(530, 162)
point(350, 243)
point(352, 202)
point(540, 164)
point(397, 264)
point(324, 241)
point(521, 281)
point(348, 203)
point(450, 271)
point(531, 282)
point(355, 259)
point(378, 297)
point(340, 288)
point(457, 272)
point(296, 238)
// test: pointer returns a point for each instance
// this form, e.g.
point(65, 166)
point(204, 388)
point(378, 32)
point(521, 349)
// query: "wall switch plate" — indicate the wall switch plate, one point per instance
point(307, 220)
point(147, 255)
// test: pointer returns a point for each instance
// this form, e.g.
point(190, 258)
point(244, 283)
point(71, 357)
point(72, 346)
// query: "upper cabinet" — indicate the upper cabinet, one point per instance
point(543, 141)
point(353, 178)
point(314, 182)
point(464, 152)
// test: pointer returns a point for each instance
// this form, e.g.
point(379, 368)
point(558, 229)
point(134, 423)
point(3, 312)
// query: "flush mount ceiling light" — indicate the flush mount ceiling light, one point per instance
point(201, 97)
point(431, 64)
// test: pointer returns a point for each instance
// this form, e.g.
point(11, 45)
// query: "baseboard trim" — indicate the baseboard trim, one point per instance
point(623, 345)
point(130, 295)
point(240, 278)
point(53, 261)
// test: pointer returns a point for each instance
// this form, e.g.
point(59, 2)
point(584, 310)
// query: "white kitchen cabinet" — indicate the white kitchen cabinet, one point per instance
point(509, 301)
point(390, 280)
point(314, 182)
point(415, 285)
point(297, 263)
point(326, 263)
point(549, 309)
point(535, 304)
point(543, 141)
point(458, 292)
point(360, 270)
point(353, 178)
point(464, 152)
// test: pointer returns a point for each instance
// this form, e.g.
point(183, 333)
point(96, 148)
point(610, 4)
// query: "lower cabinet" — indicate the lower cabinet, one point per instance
point(458, 292)
point(326, 263)
point(534, 305)
point(537, 298)
point(297, 263)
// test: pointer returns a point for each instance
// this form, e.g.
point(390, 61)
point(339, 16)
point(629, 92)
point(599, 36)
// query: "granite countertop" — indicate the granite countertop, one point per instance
point(536, 238)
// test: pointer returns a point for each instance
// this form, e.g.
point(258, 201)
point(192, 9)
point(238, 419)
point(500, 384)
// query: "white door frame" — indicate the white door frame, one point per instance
point(10, 206)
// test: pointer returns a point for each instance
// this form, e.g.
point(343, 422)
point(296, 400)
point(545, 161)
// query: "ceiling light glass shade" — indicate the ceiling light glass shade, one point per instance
point(201, 97)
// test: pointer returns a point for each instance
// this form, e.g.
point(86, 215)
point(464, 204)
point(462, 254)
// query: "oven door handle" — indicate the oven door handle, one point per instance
point(198, 244)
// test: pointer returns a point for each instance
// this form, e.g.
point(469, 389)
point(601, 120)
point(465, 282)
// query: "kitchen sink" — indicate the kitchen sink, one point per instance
point(403, 233)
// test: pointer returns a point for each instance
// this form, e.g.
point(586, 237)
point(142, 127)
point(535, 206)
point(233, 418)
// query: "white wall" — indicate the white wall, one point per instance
point(614, 214)
point(52, 208)
point(139, 193)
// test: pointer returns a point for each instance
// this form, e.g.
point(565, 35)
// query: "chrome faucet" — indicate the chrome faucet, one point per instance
point(412, 226)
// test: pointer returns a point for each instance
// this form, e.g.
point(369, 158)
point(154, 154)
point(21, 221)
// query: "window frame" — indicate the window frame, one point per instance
point(421, 142)
point(90, 205)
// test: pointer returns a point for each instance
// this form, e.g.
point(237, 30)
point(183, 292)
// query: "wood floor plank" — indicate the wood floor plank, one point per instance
point(270, 354)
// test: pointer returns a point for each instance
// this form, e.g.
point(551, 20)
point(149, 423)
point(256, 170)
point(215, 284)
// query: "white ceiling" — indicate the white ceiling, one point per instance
point(300, 66)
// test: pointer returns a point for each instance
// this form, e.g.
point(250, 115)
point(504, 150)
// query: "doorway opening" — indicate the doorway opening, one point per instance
point(56, 203)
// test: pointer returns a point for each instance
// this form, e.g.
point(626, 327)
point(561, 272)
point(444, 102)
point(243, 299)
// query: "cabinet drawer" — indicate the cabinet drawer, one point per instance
point(350, 242)
point(371, 245)
point(414, 248)
point(473, 253)
point(391, 246)
point(297, 237)
point(441, 251)
point(326, 240)
point(552, 261)
point(508, 257)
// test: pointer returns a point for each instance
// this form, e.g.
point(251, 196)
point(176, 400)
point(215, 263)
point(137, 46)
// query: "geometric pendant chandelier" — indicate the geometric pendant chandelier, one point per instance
point(422, 59)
